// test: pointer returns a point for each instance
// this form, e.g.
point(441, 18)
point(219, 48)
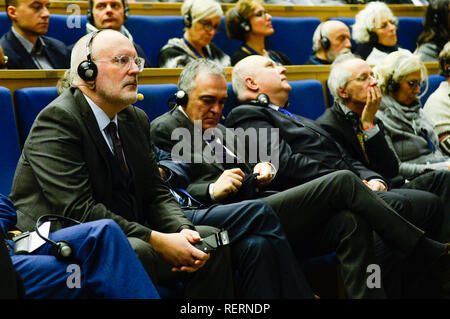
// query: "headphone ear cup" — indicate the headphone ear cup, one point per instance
point(393, 86)
point(181, 98)
point(263, 99)
point(325, 43)
point(87, 70)
point(126, 9)
point(187, 20)
point(246, 27)
point(63, 250)
point(373, 37)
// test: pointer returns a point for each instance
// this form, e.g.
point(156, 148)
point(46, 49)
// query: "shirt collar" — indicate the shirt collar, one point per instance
point(27, 44)
point(100, 115)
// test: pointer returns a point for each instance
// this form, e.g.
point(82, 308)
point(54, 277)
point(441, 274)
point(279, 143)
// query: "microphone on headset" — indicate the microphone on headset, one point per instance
point(140, 96)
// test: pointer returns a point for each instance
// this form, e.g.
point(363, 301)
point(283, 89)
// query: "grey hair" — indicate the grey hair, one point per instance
point(186, 81)
point(201, 9)
point(324, 29)
point(365, 20)
point(339, 76)
point(444, 58)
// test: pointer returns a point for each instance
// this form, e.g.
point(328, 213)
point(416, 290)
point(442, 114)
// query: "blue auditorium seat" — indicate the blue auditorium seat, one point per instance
point(307, 98)
point(293, 37)
point(29, 102)
point(5, 24)
point(409, 29)
point(156, 97)
point(9, 143)
point(153, 32)
point(67, 28)
point(229, 46)
point(434, 80)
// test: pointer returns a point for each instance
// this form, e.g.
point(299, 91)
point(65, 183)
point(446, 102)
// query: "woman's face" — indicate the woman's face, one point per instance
point(409, 89)
point(386, 30)
point(261, 22)
point(203, 31)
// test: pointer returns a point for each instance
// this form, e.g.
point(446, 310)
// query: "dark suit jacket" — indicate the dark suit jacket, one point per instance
point(204, 170)
point(381, 158)
point(18, 58)
point(64, 169)
point(306, 151)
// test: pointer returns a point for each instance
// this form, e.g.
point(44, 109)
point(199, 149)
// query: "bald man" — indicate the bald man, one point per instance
point(89, 156)
point(330, 39)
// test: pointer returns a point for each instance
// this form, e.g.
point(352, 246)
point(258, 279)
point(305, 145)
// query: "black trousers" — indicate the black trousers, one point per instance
point(338, 212)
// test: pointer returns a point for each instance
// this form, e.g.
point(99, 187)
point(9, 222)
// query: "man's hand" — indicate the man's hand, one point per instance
point(375, 185)
point(177, 249)
point(372, 105)
point(265, 173)
point(228, 183)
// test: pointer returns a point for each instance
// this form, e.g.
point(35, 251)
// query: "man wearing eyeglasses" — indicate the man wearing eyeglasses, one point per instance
point(25, 44)
point(88, 156)
point(111, 14)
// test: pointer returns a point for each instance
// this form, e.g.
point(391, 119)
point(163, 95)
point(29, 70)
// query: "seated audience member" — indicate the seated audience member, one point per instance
point(409, 131)
point(88, 156)
point(249, 22)
point(375, 32)
point(26, 45)
point(111, 14)
point(335, 212)
point(437, 106)
point(353, 123)
point(436, 31)
point(109, 268)
point(330, 39)
point(201, 19)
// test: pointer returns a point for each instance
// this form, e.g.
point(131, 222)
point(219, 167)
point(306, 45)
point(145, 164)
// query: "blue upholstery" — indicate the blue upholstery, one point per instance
point(153, 32)
point(29, 102)
point(9, 143)
point(156, 97)
point(307, 98)
point(229, 46)
point(67, 28)
point(5, 24)
point(293, 37)
point(434, 80)
point(409, 29)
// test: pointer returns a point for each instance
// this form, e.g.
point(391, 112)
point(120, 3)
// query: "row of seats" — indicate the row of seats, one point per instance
point(306, 98)
point(293, 35)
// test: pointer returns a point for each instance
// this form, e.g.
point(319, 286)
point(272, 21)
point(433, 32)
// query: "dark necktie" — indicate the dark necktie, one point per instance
point(117, 147)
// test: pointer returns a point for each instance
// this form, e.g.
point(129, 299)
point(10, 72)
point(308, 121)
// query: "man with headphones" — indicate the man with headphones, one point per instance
point(112, 14)
point(437, 106)
point(330, 39)
point(107, 265)
point(99, 163)
point(26, 45)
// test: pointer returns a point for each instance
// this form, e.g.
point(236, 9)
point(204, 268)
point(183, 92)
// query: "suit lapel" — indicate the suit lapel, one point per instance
point(19, 50)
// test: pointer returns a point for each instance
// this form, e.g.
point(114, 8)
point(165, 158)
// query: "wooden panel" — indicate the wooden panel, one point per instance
point(323, 12)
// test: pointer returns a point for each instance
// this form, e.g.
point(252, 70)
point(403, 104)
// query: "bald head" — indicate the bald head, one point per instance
point(338, 35)
point(257, 74)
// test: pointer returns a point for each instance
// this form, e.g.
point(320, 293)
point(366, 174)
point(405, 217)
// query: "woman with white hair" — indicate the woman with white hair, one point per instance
point(409, 131)
point(201, 19)
point(375, 32)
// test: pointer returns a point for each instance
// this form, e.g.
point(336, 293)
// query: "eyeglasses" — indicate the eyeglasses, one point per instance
point(414, 84)
point(363, 77)
point(125, 61)
point(208, 27)
point(262, 13)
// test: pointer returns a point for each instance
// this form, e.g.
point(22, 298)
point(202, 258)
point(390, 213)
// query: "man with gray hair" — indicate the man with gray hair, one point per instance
point(330, 39)
point(437, 106)
point(89, 156)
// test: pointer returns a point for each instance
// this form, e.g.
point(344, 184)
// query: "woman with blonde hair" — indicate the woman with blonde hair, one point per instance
point(375, 32)
point(201, 19)
point(409, 131)
point(249, 22)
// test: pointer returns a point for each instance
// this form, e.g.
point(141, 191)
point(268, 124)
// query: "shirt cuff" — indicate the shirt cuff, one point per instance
point(374, 130)
point(211, 192)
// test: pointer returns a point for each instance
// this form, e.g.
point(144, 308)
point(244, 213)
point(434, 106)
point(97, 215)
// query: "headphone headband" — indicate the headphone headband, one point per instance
point(243, 23)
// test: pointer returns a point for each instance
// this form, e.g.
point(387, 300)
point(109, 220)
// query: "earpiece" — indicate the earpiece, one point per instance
point(87, 70)
point(181, 98)
point(373, 37)
point(140, 96)
point(243, 24)
point(187, 18)
point(261, 100)
point(353, 118)
point(63, 250)
point(392, 86)
point(324, 41)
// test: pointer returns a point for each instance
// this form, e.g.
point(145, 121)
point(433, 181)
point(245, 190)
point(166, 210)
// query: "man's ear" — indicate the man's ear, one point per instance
point(250, 84)
point(11, 11)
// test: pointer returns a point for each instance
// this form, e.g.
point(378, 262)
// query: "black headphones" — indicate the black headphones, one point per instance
point(87, 70)
point(187, 18)
point(324, 41)
point(63, 250)
point(180, 97)
point(126, 11)
point(373, 37)
point(244, 25)
point(353, 118)
point(261, 100)
point(391, 85)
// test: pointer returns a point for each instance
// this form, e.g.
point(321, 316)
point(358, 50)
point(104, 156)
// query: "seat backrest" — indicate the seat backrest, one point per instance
point(229, 46)
point(153, 32)
point(307, 98)
point(293, 37)
point(29, 102)
point(5, 24)
point(9, 143)
point(409, 29)
point(67, 28)
point(434, 80)
point(155, 99)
